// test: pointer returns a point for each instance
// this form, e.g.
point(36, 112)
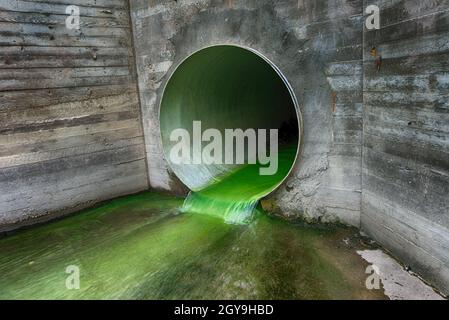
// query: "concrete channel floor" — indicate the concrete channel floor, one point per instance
point(140, 247)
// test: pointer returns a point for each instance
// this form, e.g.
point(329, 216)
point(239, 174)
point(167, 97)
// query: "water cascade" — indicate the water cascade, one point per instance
point(221, 88)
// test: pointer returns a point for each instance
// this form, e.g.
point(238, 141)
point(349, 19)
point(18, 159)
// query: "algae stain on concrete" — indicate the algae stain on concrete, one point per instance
point(140, 247)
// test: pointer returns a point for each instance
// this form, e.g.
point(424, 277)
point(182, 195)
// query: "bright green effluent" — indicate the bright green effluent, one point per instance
point(139, 247)
point(235, 196)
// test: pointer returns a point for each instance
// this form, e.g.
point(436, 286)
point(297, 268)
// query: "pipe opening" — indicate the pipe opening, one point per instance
point(229, 87)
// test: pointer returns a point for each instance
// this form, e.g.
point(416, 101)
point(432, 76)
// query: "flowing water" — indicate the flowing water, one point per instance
point(235, 196)
point(141, 247)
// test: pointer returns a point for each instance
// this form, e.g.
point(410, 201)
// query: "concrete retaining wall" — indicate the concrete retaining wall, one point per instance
point(405, 199)
point(70, 128)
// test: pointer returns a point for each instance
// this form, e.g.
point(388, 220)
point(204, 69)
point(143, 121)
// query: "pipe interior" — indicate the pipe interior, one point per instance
point(226, 87)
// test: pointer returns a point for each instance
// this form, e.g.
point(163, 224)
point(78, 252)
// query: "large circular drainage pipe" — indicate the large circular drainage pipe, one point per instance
point(229, 87)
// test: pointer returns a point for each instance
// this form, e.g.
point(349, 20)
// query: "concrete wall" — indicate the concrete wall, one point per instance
point(396, 116)
point(406, 135)
point(70, 128)
point(318, 47)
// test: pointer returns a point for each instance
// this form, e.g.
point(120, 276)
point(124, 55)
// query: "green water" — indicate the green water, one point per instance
point(234, 197)
point(140, 247)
